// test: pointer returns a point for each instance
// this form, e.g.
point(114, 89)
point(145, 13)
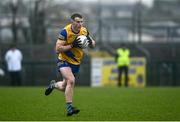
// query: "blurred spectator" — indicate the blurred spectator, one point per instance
point(2, 72)
point(122, 59)
point(13, 58)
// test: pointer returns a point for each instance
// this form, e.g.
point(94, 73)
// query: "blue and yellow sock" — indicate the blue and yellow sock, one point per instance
point(69, 106)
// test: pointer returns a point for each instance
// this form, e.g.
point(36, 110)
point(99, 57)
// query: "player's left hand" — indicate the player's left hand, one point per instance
point(89, 41)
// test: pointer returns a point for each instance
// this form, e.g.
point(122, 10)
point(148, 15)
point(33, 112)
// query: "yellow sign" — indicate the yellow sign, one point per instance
point(109, 72)
point(137, 72)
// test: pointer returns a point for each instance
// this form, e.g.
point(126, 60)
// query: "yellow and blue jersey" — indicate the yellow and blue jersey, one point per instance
point(74, 55)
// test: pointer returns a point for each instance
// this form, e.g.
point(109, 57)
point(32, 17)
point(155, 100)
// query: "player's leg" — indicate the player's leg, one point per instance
point(50, 87)
point(69, 90)
point(60, 85)
point(70, 80)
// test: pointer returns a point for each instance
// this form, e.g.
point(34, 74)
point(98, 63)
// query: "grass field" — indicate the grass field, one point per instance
point(29, 103)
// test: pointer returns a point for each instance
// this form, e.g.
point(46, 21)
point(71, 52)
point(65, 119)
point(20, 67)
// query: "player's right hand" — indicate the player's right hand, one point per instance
point(76, 43)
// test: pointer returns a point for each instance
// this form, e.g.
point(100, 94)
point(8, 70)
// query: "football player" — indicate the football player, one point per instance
point(70, 55)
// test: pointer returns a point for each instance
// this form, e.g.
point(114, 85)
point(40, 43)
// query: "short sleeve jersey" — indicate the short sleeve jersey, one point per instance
point(74, 55)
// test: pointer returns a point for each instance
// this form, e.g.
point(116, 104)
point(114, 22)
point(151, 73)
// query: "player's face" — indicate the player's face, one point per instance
point(77, 23)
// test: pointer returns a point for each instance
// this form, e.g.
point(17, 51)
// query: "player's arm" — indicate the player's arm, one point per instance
point(60, 44)
point(61, 41)
point(61, 47)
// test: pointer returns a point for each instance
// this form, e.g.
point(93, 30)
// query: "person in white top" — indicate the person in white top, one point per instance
point(13, 58)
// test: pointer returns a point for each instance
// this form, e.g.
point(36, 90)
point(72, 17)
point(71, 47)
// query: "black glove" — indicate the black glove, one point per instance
point(76, 43)
point(89, 40)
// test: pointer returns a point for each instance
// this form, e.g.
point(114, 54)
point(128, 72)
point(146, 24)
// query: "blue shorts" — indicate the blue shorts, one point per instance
point(61, 64)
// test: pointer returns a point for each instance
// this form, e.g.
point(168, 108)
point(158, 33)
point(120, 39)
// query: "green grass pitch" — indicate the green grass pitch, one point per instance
point(108, 103)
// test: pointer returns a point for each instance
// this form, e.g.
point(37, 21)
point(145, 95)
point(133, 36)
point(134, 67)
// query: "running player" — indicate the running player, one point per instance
point(70, 55)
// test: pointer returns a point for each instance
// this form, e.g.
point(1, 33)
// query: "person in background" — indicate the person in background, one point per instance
point(122, 59)
point(13, 58)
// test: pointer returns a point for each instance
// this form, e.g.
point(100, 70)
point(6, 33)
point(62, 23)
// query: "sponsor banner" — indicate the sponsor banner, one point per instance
point(96, 71)
point(104, 72)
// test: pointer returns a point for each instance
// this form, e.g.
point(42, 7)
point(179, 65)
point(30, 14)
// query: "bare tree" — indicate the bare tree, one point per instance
point(14, 5)
point(37, 22)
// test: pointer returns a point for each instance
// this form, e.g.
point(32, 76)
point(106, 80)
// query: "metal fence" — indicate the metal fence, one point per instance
point(163, 64)
point(37, 73)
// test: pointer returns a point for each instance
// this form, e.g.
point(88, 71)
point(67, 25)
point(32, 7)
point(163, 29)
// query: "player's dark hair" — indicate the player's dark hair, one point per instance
point(73, 16)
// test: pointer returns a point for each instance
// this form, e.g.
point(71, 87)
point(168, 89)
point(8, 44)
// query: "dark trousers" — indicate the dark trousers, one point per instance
point(121, 70)
point(15, 78)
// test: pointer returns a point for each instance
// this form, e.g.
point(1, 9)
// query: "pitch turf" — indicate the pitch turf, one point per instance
point(29, 103)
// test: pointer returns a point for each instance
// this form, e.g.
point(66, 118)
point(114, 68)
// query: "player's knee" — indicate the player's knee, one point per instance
point(60, 86)
point(71, 80)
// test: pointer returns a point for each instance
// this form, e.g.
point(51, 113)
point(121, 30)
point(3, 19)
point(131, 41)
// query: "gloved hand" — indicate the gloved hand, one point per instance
point(76, 43)
point(89, 40)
